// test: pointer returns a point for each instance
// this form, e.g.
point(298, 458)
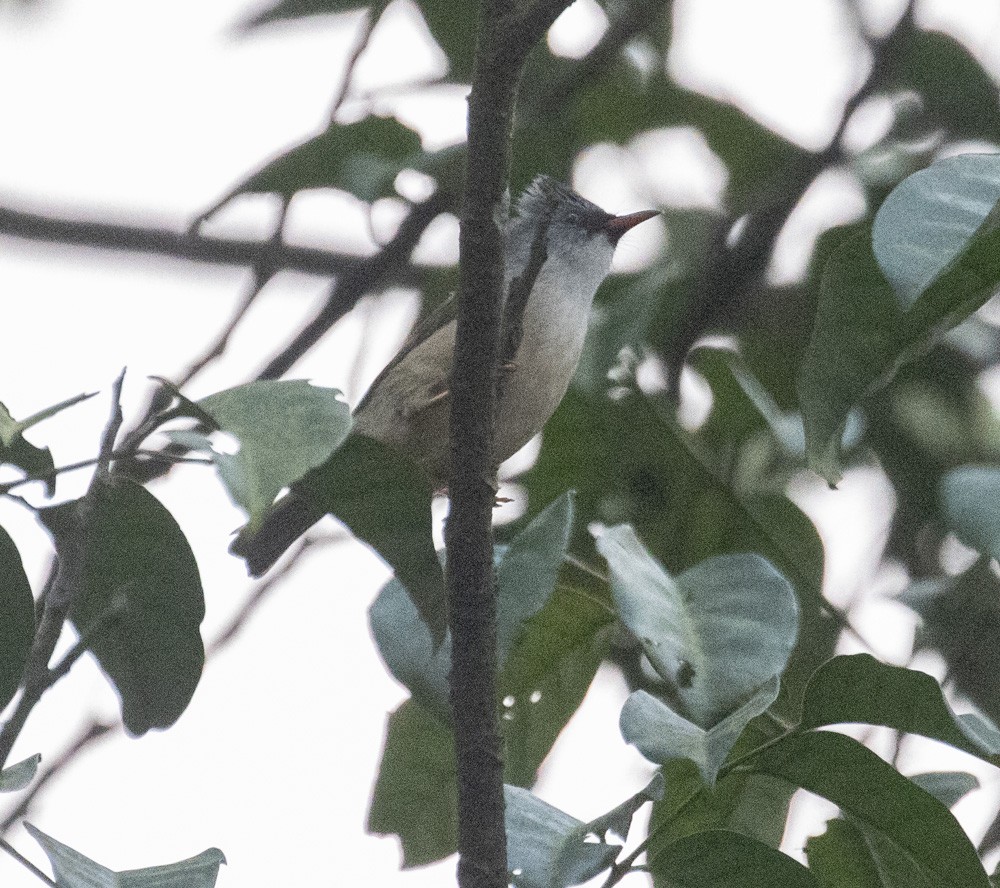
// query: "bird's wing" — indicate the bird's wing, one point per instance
point(440, 316)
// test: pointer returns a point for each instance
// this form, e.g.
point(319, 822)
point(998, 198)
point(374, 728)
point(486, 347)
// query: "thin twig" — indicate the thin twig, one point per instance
point(361, 41)
point(264, 588)
point(71, 545)
point(92, 732)
point(27, 864)
point(372, 274)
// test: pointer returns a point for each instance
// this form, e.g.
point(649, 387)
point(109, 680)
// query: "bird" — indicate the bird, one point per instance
point(408, 407)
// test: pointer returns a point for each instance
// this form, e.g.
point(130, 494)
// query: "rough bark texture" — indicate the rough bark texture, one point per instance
point(505, 38)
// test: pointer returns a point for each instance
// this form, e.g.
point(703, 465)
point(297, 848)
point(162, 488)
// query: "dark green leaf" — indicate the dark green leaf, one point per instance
point(284, 428)
point(961, 619)
point(718, 632)
point(725, 859)
point(454, 26)
point(141, 601)
point(663, 736)
point(842, 857)
point(618, 108)
point(876, 795)
point(957, 92)
point(286, 10)
point(547, 675)
point(19, 775)
point(15, 450)
point(73, 870)
point(862, 334)
point(860, 689)
point(386, 502)
point(17, 618)
point(852, 351)
point(629, 461)
point(415, 795)
point(361, 158)
point(753, 804)
point(970, 505)
point(852, 855)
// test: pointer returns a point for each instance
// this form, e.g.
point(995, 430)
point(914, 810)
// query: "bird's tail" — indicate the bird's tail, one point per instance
point(288, 519)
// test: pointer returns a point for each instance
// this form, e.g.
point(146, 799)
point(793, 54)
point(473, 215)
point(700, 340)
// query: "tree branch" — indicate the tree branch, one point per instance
point(503, 44)
point(370, 274)
point(72, 549)
point(179, 245)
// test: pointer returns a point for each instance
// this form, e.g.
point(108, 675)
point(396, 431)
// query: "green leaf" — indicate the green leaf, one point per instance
point(852, 855)
point(717, 632)
point(547, 848)
point(74, 870)
point(662, 735)
point(19, 775)
point(284, 428)
point(726, 859)
point(526, 575)
point(17, 618)
point(527, 570)
point(386, 502)
point(454, 26)
point(140, 603)
point(416, 795)
point(929, 218)
point(621, 106)
point(362, 158)
point(948, 787)
point(957, 93)
point(961, 619)
point(860, 689)
point(547, 674)
point(876, 795)
point(970, 505)
point(753, 804)
point(15, 450)
point(410, 653)
point(842, 857)
point(938, 241)
point(287, 10)
point(853, 349)
point(629, 461)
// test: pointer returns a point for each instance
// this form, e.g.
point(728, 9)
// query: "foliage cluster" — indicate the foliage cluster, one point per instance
point(710, 600)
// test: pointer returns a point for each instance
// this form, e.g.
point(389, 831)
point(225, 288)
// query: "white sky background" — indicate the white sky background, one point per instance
point(148, 112)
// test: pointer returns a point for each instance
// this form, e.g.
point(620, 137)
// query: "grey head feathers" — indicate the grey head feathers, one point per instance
point(547, 195)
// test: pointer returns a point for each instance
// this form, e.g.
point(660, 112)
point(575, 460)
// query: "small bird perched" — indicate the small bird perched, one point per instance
point(407, 406)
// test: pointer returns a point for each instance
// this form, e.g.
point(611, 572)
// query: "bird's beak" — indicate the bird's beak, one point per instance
point(616, 226)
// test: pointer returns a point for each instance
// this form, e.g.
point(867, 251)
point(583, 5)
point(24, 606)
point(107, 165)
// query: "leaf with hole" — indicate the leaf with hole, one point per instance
point(282, 429)
point(717, 632)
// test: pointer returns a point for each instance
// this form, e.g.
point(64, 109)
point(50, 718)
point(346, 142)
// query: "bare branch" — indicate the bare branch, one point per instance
point(165, 242)
point(368, 275)
point(65, 586)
